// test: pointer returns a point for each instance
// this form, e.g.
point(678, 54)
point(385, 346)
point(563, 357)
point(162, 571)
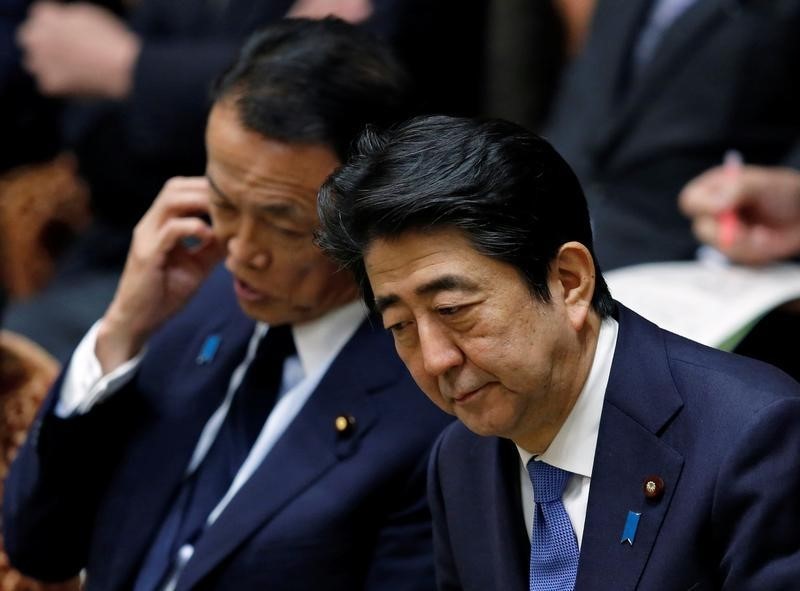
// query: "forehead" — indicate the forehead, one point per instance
point(417, 265)
point(245, 164)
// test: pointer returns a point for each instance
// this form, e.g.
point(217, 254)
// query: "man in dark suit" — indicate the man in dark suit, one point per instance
point(251, 430)
point(661, 91)
point(634, 458)
point(137, 93)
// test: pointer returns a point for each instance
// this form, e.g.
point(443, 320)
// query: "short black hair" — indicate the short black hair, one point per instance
point(504, 187)
point(316, 81)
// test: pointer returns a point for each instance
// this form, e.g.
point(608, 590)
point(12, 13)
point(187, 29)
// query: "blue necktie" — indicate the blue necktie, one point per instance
point(554, 549)
point(204, 489)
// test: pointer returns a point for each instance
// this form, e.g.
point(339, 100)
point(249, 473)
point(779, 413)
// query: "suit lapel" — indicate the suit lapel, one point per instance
point(308, 450)
point(641, 399)
point(674, 49)
point(506, 535)
point(614, 28)
point(186, 403)
point(617, 489)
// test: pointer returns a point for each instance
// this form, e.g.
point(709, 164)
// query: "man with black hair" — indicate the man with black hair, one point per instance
point(250, 429)
point(136, 88)
point(633, 458)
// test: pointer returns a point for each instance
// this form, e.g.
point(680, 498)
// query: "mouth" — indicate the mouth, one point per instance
point(468, 396)
point(246, 292)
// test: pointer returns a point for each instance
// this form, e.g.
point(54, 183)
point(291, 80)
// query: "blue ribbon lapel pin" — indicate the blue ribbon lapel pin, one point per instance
point(209, 349)
point(631, 525)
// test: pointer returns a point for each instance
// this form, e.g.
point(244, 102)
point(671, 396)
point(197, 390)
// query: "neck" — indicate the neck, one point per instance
point(577, 365)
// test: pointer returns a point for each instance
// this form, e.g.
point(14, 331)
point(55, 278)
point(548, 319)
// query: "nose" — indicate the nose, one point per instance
point(439, 352)
point(247, 248)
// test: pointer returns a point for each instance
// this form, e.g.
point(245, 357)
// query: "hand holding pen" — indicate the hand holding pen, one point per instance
point(728, 218)
point(751, 214)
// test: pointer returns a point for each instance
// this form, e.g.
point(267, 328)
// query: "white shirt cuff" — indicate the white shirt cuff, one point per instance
point(84, 384)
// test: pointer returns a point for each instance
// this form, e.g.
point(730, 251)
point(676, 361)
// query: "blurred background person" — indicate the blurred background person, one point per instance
point(528, 46)
point(659, 93)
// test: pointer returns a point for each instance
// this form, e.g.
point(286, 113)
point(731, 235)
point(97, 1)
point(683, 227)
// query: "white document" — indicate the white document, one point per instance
point(710, 302)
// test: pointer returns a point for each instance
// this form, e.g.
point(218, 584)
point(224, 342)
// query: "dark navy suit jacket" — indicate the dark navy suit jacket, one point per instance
point(324, 510)
point(722, 431)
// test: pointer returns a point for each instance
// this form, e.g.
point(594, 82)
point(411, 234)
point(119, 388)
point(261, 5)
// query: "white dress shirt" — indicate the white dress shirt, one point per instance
point(572, 449)
point(317, 342)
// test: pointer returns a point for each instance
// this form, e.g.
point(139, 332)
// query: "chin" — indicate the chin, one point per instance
point(480, 427)
point(485, 425)
point(271, 314)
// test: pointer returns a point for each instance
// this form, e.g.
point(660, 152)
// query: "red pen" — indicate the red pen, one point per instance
point(728, 219)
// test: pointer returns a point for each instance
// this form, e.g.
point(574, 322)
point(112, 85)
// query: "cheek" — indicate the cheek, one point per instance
point(313, 281)
point(297, 267)
point(221, 226)
point(487, 355)
point(315, 275)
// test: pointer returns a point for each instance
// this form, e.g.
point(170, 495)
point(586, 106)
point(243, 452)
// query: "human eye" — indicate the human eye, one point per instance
point(286, 227)
point(398, 327)
point(396, 323)
point(221, 206)
point(292, 233)
point(459, 316)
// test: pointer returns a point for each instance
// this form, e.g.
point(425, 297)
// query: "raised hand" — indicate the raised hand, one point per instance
point(172, 252)
point(78, 50)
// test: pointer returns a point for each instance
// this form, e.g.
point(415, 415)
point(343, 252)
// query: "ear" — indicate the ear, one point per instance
point(572, 273)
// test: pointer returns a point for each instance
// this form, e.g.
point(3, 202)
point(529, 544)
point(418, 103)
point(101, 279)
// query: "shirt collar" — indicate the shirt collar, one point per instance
point(572, 449)
point(317, 339)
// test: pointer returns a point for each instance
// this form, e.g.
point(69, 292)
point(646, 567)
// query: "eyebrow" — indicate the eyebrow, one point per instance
point(443, 283)
point(215, 188)
point(278, 209)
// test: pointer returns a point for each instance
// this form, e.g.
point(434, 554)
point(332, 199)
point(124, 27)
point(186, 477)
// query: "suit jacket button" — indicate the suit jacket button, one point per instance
point(653, 487)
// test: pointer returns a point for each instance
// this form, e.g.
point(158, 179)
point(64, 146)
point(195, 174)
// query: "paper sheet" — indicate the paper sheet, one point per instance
point(709, 302)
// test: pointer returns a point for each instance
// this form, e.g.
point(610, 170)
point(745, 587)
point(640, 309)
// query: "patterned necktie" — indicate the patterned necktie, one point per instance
point(554, 548)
